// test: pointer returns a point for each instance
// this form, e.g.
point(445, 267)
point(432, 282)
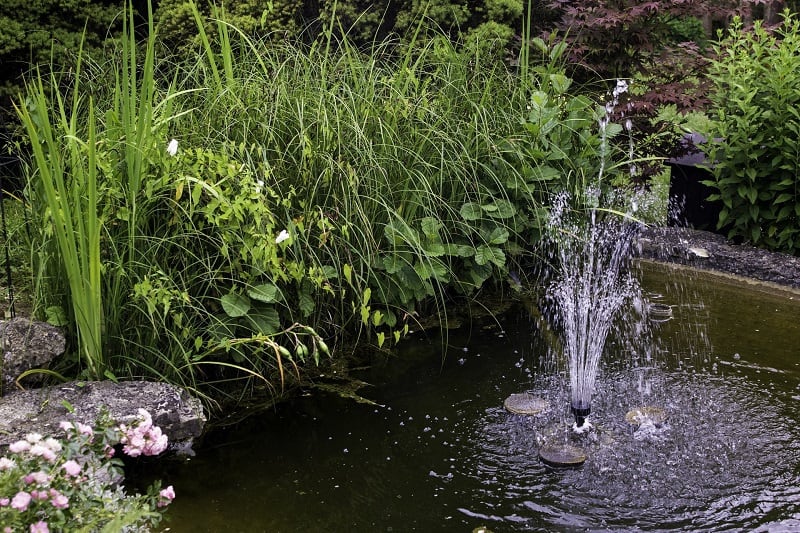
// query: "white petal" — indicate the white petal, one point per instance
point(172, 147)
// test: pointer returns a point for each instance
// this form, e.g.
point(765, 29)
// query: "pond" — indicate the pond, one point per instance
point(437, 451)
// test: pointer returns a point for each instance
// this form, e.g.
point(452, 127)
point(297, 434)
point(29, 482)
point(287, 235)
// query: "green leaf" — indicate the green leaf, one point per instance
point(305, 303)
point(545, 173)
point(265, 320)
point(539, 100)
point(430, 227)
point(486, 254)
point(348, 274)
point(560, 83)
point(432, 269)
point(500, 209)
point(266, 292)
point(499, 235)
point(56, 316)
point(235, 305)
point(471, 211)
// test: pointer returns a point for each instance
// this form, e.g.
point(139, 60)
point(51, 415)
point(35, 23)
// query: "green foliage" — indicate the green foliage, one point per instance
point(49, 31)
point(178, 32)
point(755, 131)
point(311, 193)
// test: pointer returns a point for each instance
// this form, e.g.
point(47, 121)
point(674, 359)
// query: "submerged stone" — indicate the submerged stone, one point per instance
point(525, 404)
point(562, 455)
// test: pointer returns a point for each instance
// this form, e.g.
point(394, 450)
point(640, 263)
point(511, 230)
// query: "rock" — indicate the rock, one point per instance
point(710, 251)
point(26, 345)
point(179, 415)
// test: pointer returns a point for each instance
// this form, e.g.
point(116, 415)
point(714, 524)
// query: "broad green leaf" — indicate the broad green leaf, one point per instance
point(266, 292)
point(539, 100)
point(393, 263)
point(305, 303)
point(486, 254)
point(459, 250)
point(435, 249)
point(56, 316)
point(471, 211)
point(430, 227)
point(265, 321)
point(560, 83)
point(500, 209)
point(498, 235)
point(235, 305)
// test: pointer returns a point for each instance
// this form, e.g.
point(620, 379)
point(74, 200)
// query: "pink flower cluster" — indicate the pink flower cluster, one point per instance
point(142, 438)
point(35, 445)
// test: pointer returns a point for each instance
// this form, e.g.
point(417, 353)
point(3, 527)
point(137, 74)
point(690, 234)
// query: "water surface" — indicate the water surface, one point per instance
point(438, 452)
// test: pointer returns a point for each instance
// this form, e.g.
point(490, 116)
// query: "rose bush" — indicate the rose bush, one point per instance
point(49, 484)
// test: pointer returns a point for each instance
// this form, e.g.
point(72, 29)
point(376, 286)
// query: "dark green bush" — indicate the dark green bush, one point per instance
point(756, 112)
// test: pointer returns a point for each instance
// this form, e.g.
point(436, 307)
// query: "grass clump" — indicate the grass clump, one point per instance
point(220, 219)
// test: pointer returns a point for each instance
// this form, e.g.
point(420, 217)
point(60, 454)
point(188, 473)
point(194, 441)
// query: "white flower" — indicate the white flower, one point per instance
point(622, 86)
point(628, 124)
point(172, 147)
point(282, 236)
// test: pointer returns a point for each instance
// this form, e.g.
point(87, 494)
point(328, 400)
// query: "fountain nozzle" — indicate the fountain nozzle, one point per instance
point(580, 413)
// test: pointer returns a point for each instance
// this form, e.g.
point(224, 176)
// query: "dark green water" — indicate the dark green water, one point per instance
point(439, 453)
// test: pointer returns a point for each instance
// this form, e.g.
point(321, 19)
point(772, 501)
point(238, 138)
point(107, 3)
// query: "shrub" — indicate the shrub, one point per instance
point(73, 484)
point(756, 124)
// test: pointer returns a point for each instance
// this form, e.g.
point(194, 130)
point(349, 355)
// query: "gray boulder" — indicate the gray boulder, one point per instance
point(179, 415)
point(25, 345)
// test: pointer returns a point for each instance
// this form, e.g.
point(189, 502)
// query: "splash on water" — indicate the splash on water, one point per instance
point(592, 284)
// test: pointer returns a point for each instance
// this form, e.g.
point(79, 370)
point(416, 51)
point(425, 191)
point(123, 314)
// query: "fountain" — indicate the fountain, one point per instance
point(591, 286)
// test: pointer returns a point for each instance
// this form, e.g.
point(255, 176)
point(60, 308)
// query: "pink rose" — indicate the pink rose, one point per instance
point(40, 527)
point(71, 467)
point(166, 496)
point(20, 501)
point(40, 450)
point(20, 446)
point(58, 500)
point(40, 478)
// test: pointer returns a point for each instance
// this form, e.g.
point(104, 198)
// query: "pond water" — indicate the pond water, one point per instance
point(439, 453)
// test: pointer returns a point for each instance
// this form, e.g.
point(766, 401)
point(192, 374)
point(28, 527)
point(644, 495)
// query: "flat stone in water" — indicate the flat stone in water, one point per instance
point(562, 455)
point(525, 404)
point(656, 415)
